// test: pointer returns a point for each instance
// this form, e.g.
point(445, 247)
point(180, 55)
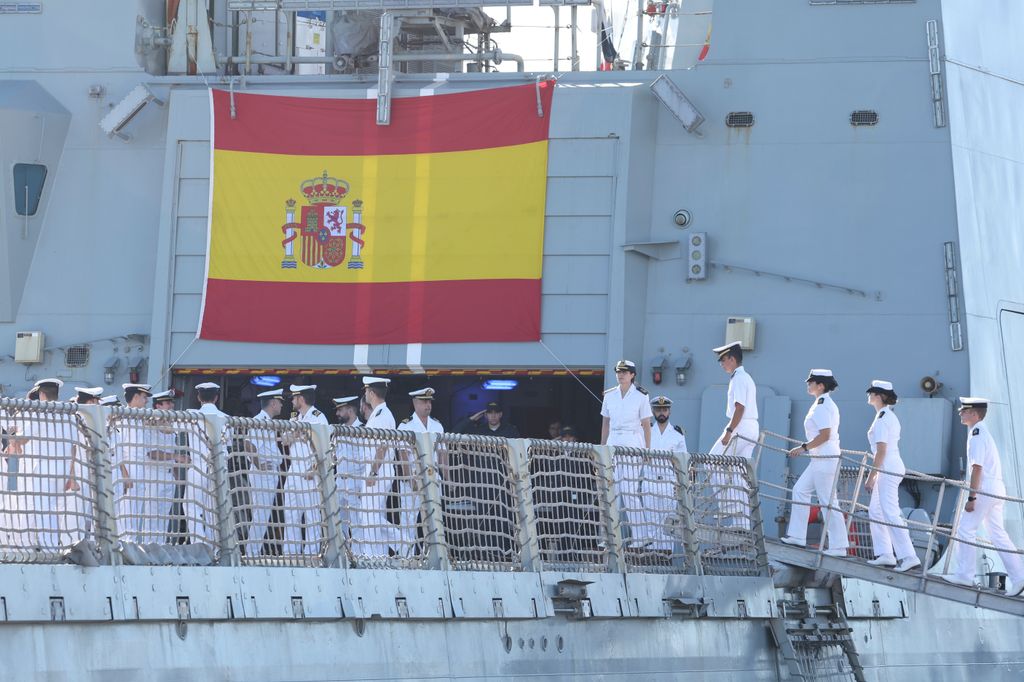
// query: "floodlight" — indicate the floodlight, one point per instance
point(125, 110)
point(673, 98)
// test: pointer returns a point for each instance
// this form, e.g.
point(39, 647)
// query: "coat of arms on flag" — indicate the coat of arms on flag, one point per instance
point(323, 226)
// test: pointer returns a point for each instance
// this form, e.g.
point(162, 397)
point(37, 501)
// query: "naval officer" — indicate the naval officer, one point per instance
point(129, 443)
point(163, 460)
point(265, 460)
point(419, 422)
point(659, 483)
point(821, 428)
point(985, 481)
point(625, 412)
point(891, 543)
point(741, 413)
point(302, 503)
point(349, 460)
point(378, 534)
point(665, 435)
point(199, 505)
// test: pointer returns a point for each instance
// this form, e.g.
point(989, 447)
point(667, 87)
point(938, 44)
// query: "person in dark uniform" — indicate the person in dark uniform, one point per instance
point(487, 422)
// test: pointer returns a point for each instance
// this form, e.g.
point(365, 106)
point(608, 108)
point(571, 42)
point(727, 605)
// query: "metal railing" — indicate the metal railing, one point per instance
point(935, 537)
point(163, 487)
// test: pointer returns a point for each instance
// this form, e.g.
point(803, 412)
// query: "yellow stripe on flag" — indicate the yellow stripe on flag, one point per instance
point(464, 215)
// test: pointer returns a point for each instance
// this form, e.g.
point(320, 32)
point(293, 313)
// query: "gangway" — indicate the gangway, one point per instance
point(912, 581)
point(849, 499)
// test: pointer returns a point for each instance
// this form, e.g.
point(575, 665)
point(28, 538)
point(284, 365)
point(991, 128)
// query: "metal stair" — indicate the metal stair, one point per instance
point(914, 581)
point(816, 643)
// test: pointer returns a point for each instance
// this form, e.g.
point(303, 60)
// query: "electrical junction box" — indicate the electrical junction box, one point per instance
point(28, 349)
point(740, 329)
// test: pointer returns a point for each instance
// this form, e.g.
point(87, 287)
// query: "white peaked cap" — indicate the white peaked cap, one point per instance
point(821, 372)
point(295, 388)
point(109, 400)
point(276, 393)
point(142, 387)
point(974, 401)
point(346, 400)
point(207, 384)
point(370, 381)
point(425, 393)
point(60, 384)
point(728, 346)
point(884, 385)
point(95, 392)
point(163, 395)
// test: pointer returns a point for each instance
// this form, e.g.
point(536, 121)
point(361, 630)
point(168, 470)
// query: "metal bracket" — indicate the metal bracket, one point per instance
point(389, 25)
point(669, 250)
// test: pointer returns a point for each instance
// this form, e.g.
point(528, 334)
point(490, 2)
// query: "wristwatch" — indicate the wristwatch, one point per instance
point(804, 446)
point(972, 498)
point(728, 429)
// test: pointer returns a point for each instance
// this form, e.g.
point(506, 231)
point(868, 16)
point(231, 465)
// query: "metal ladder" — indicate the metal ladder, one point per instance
point(816, 643)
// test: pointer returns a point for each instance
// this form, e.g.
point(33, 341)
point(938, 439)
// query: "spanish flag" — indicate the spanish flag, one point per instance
point(327, 228)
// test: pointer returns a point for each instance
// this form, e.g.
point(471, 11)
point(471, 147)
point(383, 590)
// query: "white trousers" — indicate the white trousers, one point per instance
point(817, 479)
point(885, 506)
point(732, 491)
point(988, 511)
point(301, 511)
point(199, 505)
point(262, 491)
point(373, 535)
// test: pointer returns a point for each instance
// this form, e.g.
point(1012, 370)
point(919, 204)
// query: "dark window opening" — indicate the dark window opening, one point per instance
point(28, 187)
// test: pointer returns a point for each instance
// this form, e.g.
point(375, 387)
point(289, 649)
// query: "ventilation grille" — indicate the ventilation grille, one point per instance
point(739, 119)
point(76, 356)
point(864, 118)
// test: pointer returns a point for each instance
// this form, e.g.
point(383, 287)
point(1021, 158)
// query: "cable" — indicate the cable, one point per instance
point(566, 368)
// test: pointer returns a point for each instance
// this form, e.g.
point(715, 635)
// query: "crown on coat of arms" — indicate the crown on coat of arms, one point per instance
point(324, 190)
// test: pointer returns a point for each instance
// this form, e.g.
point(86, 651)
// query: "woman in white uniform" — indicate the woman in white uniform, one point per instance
point(626, 421)
point(821, 428)
point(890, 542)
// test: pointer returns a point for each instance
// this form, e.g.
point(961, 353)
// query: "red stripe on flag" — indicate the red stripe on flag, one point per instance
point(299, 126)
point(449, 311)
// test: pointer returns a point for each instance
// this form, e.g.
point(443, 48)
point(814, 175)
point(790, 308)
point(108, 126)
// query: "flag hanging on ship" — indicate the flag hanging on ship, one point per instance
point(327, 228)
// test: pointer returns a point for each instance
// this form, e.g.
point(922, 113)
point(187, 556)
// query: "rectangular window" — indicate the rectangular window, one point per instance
point(28, 187)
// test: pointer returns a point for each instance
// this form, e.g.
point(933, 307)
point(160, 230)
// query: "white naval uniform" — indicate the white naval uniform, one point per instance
point(885, 498)
point(263, 480)
point(199, 504)
point(819, 477)
point(350, 465)
point(988, 511)
point(659, 491)
point(46, 459)
point(156, 492)
point(625, 415)
point(412, 501)
point(302, 501)
point(375, 536)
point(734, 496)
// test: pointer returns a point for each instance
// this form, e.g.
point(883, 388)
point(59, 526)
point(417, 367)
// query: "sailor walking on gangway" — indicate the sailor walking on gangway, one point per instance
point(889, 535)
point(821, 428)
point(985, 471)
point(626, 421)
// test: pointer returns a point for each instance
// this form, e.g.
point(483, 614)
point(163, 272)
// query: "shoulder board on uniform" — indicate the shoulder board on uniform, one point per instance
point(821, 400)
point(407, 420)
point(642, 390)
point(316, 412)
point(976, 431)
point(611, 389)
point(881, 414)
point(679, 429)
point(295, 415)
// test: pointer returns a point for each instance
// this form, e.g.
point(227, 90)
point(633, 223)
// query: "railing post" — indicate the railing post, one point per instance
point(216, 426)
point(323, 456)
point(606, 462)
point(756, 524)
point(105, 524)
point(519, 462)
point(931, 533)
point(435, 540)
point(958, 509)
point(686, 511)
point(856, 489)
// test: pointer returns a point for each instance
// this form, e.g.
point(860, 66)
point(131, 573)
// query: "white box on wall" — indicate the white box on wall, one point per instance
point(741, 329)
point(29, 347)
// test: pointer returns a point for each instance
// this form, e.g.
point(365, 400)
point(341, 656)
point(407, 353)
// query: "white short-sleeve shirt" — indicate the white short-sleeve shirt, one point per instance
point(981, 450)
point(742, 391)
point(625, 412)
point(823, 415)
point(381, 418)
point(415, 424)
point(885, 429)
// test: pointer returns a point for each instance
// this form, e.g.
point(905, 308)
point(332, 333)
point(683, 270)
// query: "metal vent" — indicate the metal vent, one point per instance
point(76, 356)
point(865, 117)
point(739, 119)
